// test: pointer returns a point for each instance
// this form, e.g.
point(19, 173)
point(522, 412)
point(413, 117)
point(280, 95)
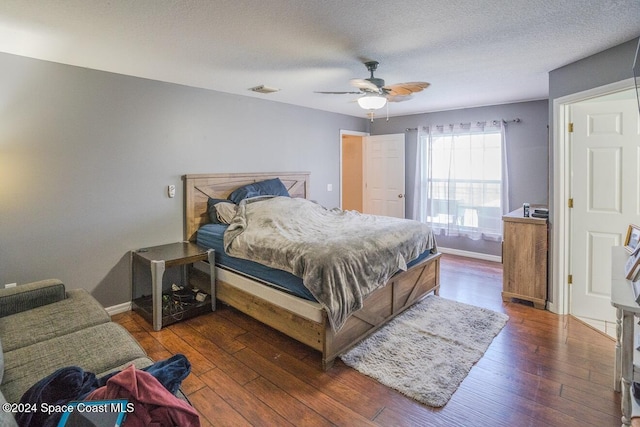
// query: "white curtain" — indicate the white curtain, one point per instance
point(419, 211)
point(505, 168)
point(461, 186)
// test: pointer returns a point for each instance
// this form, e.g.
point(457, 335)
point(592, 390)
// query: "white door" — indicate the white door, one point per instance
point(384, 175)
point(605, 154)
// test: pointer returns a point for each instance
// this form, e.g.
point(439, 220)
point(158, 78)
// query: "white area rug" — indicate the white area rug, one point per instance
point(428, 350)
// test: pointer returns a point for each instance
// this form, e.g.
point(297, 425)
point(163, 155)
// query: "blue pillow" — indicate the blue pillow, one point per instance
point(269, 187)
point(211, 209)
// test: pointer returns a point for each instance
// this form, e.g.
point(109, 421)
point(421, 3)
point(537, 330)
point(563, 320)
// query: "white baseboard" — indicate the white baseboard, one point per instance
point(606, 327)
point(468, 254)
point(120, 308)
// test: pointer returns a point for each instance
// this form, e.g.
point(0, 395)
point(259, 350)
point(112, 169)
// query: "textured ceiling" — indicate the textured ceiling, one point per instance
point(472, 52)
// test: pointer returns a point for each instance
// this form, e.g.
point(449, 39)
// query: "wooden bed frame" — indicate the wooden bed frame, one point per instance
point(300, 319)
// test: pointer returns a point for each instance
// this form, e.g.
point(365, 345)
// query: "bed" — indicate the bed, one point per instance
point(301, 318)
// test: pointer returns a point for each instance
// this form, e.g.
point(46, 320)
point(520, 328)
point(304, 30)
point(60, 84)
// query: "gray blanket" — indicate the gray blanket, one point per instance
point(341, 256)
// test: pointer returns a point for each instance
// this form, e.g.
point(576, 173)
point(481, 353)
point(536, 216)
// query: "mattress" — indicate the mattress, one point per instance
point(211, 236)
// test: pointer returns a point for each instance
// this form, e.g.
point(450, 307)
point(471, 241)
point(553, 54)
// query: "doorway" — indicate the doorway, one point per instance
point(352, 173)
point(352, 170)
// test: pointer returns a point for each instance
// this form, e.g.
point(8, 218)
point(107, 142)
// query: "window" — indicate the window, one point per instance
point(463, 182)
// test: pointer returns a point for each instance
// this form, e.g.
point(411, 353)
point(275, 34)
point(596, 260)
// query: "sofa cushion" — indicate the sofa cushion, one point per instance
point(6, 418)
point(25, 297)
point(96, 349)
point(78, 311)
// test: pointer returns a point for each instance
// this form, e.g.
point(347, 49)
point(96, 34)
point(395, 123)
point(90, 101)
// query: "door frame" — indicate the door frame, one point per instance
point(560, 256)
point(344, 132)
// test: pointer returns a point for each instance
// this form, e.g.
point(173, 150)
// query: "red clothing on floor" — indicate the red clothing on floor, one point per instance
point(154, 404)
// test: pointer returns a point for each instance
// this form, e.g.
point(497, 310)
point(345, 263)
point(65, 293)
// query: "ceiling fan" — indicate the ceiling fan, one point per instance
point(375, 93)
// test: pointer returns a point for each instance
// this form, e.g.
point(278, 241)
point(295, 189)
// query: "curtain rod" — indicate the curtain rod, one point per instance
point(494, 122)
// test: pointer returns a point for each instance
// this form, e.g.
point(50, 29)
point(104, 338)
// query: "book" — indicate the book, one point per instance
point(540, 213)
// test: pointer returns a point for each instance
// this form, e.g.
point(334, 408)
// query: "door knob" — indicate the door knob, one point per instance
point(400, 196)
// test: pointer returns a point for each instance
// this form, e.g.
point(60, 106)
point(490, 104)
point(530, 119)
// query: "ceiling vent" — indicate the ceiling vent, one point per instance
point(264, 89)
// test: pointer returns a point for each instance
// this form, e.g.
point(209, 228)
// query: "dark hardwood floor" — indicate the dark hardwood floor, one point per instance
point(541, 370)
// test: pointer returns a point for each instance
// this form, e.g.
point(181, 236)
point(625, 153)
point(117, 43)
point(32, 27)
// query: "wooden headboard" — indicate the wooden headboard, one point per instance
point(198, 188)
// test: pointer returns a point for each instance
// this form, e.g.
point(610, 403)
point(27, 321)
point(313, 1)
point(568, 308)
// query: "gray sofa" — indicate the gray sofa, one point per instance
point(44, 327)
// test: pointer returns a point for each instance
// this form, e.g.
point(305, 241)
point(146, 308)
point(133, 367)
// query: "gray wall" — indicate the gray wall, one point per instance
point(609, 66)
point(527, 153)
point(86, 158)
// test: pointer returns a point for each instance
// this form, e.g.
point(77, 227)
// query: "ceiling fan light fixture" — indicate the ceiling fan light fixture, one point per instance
point(372, 101)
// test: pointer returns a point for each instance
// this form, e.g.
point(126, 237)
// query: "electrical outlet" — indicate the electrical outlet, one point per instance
point(171, 190)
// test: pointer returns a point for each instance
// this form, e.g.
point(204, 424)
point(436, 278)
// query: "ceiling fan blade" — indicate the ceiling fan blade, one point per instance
point(340, 93)
point(406, 88)
point(398, 92)
point(364, 84)
point(399, 98)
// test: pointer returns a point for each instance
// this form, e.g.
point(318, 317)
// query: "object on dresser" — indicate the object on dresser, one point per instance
point(540, 213)
point(632, 266)
point(636, 290)
point(632, 239)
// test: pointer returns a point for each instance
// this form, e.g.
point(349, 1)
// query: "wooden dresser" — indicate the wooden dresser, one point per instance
point(524, 258)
